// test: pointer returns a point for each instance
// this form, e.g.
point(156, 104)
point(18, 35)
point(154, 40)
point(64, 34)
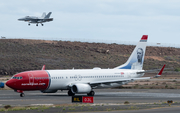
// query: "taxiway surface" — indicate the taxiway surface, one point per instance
point(9, 97)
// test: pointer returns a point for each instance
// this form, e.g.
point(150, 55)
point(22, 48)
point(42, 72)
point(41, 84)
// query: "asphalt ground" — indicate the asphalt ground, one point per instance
point(104, 99)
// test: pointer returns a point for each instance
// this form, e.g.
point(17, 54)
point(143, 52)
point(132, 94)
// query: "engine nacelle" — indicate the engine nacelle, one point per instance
point(81, 88)
point(49, 91)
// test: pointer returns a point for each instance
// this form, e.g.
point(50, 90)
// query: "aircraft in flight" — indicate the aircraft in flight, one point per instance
point(83, 81)
point(37, 20)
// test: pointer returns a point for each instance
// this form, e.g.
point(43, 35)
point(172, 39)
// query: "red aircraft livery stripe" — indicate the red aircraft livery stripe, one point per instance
point(30, 80)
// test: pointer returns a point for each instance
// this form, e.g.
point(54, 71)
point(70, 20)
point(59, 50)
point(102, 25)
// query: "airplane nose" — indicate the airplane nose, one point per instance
point(20, 19)
point(9, 83)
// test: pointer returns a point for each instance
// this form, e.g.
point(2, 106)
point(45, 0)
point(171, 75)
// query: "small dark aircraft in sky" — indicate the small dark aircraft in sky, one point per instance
point(37, 20)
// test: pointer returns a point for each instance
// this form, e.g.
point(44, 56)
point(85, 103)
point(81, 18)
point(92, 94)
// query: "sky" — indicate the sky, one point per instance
point(99, 20)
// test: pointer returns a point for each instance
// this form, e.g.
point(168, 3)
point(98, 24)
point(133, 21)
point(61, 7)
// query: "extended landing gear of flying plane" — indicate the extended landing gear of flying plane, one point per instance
point(91, 93)
point(42, 24)
point(36, 24)
point(70, 93)
point(29, 24)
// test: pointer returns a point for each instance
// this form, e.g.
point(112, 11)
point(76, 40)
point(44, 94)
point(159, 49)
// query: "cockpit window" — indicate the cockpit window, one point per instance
point(17, 78)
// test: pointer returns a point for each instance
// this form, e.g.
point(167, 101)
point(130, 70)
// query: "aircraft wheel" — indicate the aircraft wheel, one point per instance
point(36, 24)
point(22, 95)
point(92, 93)
point(29, 24)
point(42, 24)
point(70, 93)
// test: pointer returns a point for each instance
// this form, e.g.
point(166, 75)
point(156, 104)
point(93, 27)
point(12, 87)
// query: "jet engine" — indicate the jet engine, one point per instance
point(49, 91)
point(81, 88)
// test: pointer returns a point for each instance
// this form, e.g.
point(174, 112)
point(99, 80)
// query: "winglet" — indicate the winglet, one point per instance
point(160, 72)
point(43, 68)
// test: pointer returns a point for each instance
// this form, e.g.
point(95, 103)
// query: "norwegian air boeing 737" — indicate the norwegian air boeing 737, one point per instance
point(79, 81)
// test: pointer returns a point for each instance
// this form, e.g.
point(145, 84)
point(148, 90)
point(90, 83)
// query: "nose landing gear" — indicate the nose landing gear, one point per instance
point(22, 95)
point(20, 91)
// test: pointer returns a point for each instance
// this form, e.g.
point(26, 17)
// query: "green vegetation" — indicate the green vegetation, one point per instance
point(177, 69)
point(7, 106)
point(87, 107)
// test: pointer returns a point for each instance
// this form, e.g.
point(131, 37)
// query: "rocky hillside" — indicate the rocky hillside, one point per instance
point(18, 55)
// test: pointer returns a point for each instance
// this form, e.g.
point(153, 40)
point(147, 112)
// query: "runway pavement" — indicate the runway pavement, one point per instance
point(9, 97)
point(156, 110)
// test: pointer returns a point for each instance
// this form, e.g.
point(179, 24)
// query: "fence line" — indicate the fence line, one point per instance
point(97, 41)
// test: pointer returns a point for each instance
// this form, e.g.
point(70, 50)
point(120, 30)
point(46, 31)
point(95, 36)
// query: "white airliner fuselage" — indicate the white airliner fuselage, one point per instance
point(60, 79)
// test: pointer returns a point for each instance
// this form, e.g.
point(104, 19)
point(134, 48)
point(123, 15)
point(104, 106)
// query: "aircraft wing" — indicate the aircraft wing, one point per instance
point(109, 82)
point(48, 19)
point(34, 20)
point(124, 81)
point(40, 20)
point(120, 81)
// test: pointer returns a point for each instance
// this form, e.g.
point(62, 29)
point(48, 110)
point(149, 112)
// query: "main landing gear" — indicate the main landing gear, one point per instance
point(22, 95)
point(70, 93)
point(41, 24)
point(29, 24)
point(91, 93)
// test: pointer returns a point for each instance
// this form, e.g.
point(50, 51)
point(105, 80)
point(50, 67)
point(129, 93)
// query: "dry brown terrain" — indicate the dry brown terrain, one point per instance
point(23, 54)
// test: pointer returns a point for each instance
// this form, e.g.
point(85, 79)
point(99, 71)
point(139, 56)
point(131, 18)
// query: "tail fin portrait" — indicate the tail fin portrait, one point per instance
point(136, 59)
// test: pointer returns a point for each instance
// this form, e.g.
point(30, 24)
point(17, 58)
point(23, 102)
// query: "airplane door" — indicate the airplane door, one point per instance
point(31, 79)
